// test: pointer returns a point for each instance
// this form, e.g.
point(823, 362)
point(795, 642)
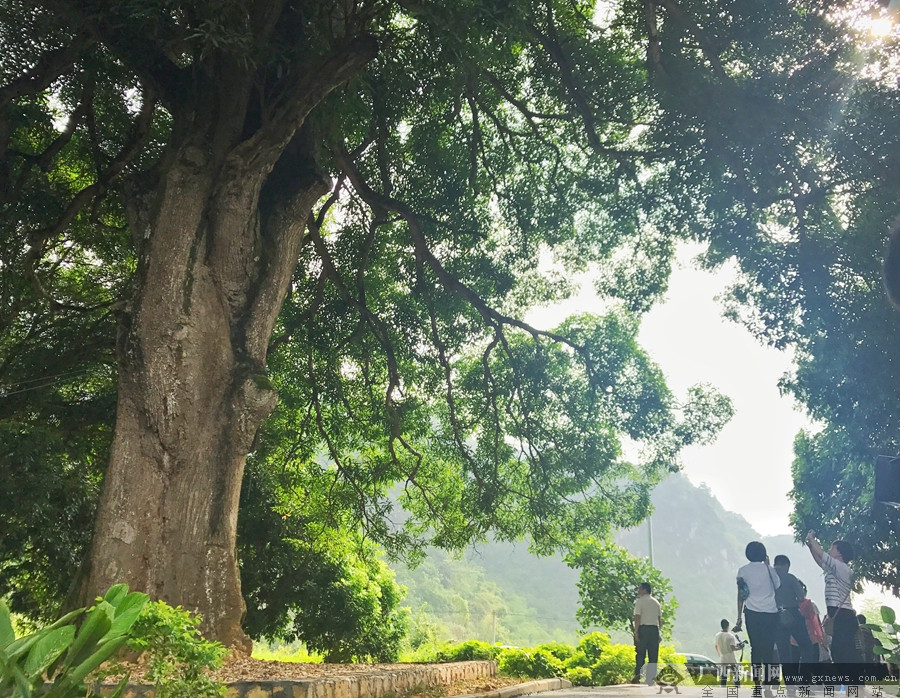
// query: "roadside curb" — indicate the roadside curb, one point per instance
point(522, 689)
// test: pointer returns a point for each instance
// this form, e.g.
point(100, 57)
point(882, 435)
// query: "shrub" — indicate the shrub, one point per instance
point(514, 662)
point(580, 676)
point(615, 665)
point(178, 655)
point(69, 656)
point(595, 662)
point(545, 665)
point(592, 645)
point(557, 649)
point(579, 660)
point(467, 651)
point(534, 664)
point(888, 635)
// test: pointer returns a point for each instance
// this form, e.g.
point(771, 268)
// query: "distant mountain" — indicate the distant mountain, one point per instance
point(499, 592)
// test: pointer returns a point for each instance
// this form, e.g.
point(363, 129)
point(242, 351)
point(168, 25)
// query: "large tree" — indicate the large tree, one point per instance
point(363, 198)
point(396, 171)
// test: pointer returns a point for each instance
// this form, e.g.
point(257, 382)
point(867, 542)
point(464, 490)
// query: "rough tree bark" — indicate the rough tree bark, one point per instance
point(219, 234)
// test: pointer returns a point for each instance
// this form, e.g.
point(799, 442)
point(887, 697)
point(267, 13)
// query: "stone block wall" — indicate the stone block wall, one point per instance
point(374, 685)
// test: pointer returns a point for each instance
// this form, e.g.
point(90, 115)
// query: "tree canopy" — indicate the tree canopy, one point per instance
point(353, 205)
point(608, 586)
point(810, 167)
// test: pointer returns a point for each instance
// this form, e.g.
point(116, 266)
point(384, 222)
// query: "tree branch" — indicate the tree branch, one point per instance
point(132, 46)
point(125, 155)
point(708, 50)
point(379, 201)
point(312, 86)
point(520, 105)
point(554, 49)
point(48, 67)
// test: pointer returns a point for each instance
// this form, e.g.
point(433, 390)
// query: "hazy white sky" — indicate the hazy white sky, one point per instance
point(748, 468)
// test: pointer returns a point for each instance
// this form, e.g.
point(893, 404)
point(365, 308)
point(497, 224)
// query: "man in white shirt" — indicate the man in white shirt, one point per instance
point(647, 619)
point(726, 644)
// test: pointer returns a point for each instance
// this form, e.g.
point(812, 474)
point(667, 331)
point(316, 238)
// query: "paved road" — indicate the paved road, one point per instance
point(641, 691)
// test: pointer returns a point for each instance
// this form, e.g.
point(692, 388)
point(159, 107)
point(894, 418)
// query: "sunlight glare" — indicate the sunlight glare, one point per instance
point(881, 27)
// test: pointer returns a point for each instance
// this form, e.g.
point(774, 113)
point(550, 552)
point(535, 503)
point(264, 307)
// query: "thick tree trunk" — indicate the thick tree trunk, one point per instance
point(219, 237)
point(193, 390)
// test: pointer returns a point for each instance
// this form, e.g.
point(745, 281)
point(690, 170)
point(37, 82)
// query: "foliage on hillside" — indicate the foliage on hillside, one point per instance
point(456, 598)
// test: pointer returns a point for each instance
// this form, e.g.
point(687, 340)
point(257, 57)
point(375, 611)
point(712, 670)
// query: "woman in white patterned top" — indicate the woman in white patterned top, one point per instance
point(838, 585)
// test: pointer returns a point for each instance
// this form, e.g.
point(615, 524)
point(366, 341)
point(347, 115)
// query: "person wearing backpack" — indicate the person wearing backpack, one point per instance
point(810, 613)
point(757, 583)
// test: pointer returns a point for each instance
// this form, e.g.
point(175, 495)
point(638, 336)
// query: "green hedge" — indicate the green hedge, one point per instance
point(596, 661)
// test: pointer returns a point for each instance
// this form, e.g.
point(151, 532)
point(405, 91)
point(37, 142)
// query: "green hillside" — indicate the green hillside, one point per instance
point(501, 593)
point(497, 593)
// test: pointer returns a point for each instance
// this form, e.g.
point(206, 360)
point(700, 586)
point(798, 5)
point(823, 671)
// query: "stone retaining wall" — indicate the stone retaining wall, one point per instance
point(380, 685)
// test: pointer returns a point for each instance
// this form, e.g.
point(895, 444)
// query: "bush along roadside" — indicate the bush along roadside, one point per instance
point(596, 661)
point(66, 658)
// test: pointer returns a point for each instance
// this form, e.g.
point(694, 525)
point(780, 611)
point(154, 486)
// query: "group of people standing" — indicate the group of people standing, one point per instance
point(782, 624)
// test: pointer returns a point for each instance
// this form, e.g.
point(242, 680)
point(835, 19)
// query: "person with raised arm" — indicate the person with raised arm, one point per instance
point(838, 585)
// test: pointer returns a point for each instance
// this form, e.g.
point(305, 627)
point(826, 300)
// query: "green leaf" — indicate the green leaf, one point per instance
point(888, 615)
point(45, 651)
point(878, 649)
point(115, 594)
point(105, 650)
point(94, 629)
point(7, 634)
point(127, 612)
point(69, 617)
point(12, 674)
point(21, 645)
